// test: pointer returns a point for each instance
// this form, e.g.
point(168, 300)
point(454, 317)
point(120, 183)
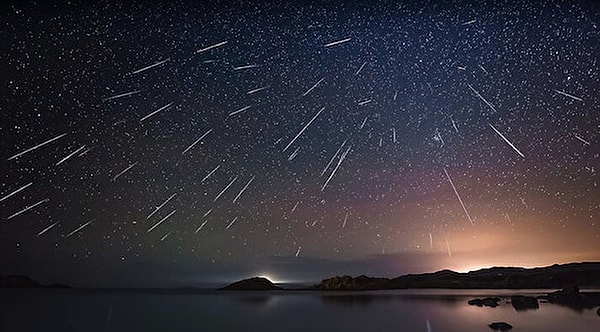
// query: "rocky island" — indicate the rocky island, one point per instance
point(254, 284)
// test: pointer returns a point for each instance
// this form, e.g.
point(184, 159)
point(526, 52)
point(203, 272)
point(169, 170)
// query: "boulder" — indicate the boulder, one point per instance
point(567, 296)
point(500, 326)
point(486, 302)
point(522, 303)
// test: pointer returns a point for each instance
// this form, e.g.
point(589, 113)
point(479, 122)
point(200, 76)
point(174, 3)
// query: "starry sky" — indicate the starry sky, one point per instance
point(150, 143)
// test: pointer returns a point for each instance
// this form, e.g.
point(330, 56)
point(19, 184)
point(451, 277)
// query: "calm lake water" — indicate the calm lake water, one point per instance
point(422, 310)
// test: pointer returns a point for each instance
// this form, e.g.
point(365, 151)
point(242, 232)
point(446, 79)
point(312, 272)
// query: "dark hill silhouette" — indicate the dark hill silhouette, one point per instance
point(550, 277)
point(19, 281)
point(256, 283)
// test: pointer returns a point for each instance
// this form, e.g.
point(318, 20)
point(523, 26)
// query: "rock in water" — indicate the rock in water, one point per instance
point(488, 302)
point(256, 283)
point(500, 326)
point(522, 303)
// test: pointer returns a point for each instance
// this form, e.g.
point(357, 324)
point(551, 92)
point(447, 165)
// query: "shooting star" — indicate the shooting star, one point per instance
point(210, 173)
point(161, 206)
point(294, 154)
point(78, 229)
point(484, 70)
point(165, 236)
point(454, 125)
point(245, 67)
point(148, 67)
point(430, 241)
point(231, 223)
point(448, 247)
point(469, 22)
point(438, 137)
point(336, 167)
point(394, 135)
point(126, 94)
point(124, 171)
point(35, 147)
point(16, 191)
point(239, 111)
point(568, 95)
point(338, 42)
point(47, 228)
point(507, 141)
point(196, 142)
point(361, 68)
point(28, 208)
point(158, 110)
point(395, 95)
point(85, 152)
point(481, 97)
point(199, 228)
point(70, 155)
point(211, 47)
point(243, 189)
point(364, 102)
point(364, 122)
point(295, 206)
point(225, 189)
point(257, 90)
point(523, 201)
point(345, 219)
point(333, 157)
point(458, 196)
point(581, 139)
point(161, 221)
point(298, 251)
point(312, 87)
point(303, 129)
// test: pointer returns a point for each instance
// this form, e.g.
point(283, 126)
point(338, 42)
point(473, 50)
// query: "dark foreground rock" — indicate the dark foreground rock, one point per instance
point(256, 283)
point(486, 302)
point(522, 303)
point(500, 326)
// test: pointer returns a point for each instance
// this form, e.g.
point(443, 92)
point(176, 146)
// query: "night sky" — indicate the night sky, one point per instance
point(189, 142)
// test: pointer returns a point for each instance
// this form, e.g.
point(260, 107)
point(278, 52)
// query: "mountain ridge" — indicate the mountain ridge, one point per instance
point(585, 274)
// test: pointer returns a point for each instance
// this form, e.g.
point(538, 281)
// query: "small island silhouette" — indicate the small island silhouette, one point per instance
point(256, 283)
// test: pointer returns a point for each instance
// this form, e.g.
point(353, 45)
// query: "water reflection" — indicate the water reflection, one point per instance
point(524, 303)
point(354, 299)
point(277, 311)
point(255, 300)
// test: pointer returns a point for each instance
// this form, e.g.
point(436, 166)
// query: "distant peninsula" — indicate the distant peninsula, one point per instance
point(19, 281)
point(550, 277)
